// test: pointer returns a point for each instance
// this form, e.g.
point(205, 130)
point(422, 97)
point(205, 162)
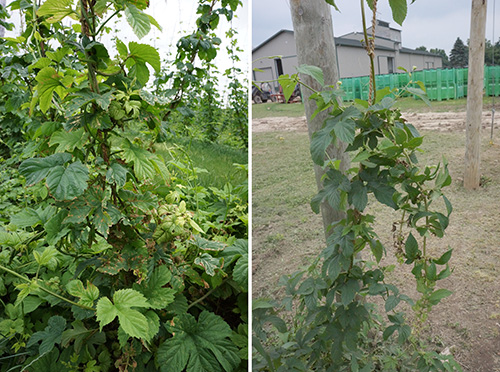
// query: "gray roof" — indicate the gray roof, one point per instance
point(351, 43)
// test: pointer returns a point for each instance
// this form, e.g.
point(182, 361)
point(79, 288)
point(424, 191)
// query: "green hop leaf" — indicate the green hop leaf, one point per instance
point(198, 346)
point(134, 323)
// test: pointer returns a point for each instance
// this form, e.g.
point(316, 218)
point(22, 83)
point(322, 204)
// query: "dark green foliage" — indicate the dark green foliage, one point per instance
point(442, 53)
point(334, 326)
point(112, 253)
point(459, 55)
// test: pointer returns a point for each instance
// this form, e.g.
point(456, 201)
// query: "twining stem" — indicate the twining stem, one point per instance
point(12, 272)
point(370, 49)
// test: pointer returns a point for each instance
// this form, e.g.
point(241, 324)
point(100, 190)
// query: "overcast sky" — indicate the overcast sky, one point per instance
point(431, 23)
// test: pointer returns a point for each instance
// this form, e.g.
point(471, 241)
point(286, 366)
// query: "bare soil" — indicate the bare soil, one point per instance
point(469, 320)
point(440, 121)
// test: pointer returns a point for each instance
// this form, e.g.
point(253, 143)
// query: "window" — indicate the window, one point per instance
point(390, 65)
point(279, 66)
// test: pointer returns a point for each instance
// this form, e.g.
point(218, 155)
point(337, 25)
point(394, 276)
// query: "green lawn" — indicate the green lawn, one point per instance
point(265, 110)
point(217, 160)
point(287, 235)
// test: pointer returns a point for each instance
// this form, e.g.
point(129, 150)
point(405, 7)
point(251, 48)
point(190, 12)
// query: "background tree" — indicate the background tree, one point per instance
point(490, 50)
point(459, 54)
point(422, 48)
point(442, 53)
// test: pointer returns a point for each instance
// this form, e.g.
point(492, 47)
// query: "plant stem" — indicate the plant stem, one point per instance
point(370, 49)
point(205, 295)
point(12, 272)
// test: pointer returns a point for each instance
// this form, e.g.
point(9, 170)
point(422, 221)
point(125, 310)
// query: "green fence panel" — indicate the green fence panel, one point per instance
point(348, 88)
point(449, 83)
point(364, 83)
point(431, 82)
point(461, 81)
point(492, 80)
point(442, 84)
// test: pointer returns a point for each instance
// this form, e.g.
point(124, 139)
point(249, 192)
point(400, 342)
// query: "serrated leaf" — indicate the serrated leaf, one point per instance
point(36, 169)
point(143, 168)
point(198, 346)
point(358, 196)
point(332, 3)
point(132, 321)
point(377, 250)
point(158, 297)
point(399, 9)
point(383, 193)
point(288, 84)
point(140, 72)
point(50, 336)
point(240, 272)
point(138, 20)
point(208, 245)
point(105, 312)
point(154, 22)
point(420, 94)
point(319, 143)
point(117, 174)
point(345, 130)
point(129, 298)
point(56, 10)
point(145, 53)
point(391, 302)
point(404, 333)
point(25, 218)
point(209, 263)
point(411, 248)
point(86, 296)
point(348, 291)
point(121, 48)
point(68, 141)
point(82, 336)
point(54, 227)
point(68, 183)
point(48, 80)
point(444, 258)
point(315, 72)
point(153, 325)
point(48, 254)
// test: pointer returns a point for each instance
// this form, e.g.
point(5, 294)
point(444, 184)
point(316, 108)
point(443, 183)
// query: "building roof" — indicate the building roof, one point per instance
point(351, 43)
point(271, 38)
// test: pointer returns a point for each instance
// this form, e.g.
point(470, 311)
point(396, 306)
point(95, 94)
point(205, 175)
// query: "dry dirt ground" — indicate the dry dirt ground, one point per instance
point(469, 320)
point(441, 121)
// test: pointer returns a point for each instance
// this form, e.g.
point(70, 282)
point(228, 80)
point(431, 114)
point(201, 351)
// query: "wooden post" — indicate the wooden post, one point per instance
point(475, 95)
point(313, 31)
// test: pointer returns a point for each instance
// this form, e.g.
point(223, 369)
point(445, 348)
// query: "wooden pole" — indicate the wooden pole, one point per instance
point(475, 95)
point(313, 30)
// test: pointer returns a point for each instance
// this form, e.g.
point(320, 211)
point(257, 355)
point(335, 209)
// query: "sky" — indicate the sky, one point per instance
point(429, 23)
point(178, 18)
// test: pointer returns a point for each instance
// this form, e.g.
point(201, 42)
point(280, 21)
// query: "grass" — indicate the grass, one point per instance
point(218, 160)
point(265, 110)
point(287, 235)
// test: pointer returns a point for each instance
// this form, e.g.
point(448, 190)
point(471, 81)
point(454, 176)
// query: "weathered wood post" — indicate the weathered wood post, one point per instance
point(313, 30)
point(475, 95)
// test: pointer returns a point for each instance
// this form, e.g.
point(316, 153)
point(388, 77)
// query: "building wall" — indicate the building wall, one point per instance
point(420, 61)
point(282, 45)
point(352, 60)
